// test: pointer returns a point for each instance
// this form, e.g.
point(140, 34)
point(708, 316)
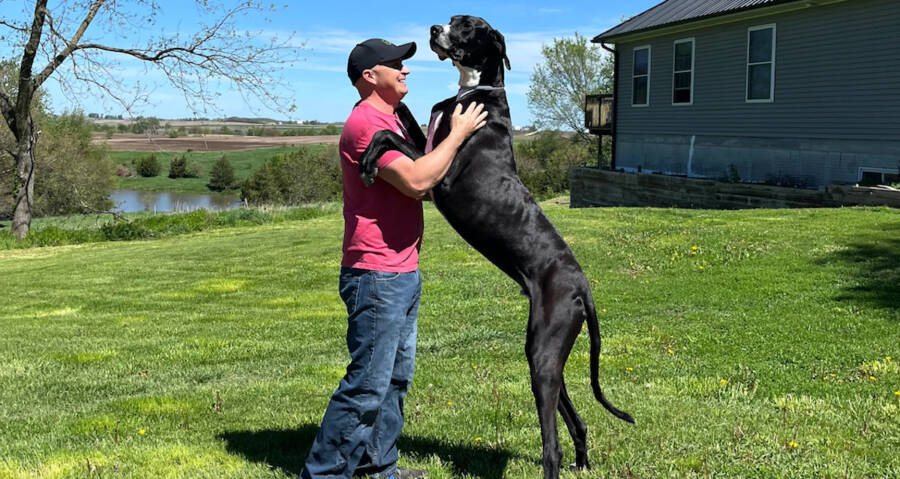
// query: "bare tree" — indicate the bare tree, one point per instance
point(196, 63)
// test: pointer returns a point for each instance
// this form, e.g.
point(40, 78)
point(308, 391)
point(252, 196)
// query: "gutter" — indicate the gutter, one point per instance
point(615, 112)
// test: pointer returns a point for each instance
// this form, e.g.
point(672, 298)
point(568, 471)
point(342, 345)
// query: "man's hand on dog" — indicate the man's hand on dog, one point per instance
point(466, 123)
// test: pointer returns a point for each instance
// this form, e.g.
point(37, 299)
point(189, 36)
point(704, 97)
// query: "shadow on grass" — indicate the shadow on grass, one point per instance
point(873, 258)
point(287, 450)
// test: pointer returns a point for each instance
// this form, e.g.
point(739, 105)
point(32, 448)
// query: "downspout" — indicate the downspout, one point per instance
point(615, 91)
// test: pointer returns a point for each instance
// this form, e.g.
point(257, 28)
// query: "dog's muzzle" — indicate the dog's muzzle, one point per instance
point(440, 41)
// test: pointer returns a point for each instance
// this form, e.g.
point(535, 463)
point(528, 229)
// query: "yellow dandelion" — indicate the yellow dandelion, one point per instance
point(477, 439)
point(142, 432)
point(449, 403)
point(701, 268)
point(792, 445)
point(629, 369)
point(873, 378)
point(603, 310)
point(670, 351)
point(897, 393)
point(694, 248)
point(474, 366)
point(723, 381)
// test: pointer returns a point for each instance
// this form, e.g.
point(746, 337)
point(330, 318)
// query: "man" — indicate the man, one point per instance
point(380, 281)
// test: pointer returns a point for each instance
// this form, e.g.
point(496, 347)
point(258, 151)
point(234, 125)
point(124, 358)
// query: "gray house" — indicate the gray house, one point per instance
point(796, 92)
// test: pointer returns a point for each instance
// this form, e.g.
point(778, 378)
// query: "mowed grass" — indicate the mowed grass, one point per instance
point(770, 350)
point(244, 162)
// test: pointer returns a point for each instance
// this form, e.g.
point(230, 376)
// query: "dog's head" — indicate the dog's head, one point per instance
point(471, 43)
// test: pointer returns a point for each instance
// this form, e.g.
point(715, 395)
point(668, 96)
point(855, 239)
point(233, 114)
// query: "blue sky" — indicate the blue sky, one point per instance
point(329, 30)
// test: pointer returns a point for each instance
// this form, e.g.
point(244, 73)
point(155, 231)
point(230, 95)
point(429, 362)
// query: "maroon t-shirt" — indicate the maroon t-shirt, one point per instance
point(382, 226)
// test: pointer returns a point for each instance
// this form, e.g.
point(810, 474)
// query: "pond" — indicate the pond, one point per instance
point(129, 201)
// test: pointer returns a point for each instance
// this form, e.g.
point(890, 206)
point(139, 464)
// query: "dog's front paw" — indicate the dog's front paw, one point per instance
point(368, 177)
point(368, 165)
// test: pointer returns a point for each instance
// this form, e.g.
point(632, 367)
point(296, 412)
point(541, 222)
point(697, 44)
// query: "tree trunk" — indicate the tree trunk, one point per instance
point(23, 186)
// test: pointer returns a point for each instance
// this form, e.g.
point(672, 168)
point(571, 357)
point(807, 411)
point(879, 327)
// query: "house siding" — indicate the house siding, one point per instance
point(836, 105)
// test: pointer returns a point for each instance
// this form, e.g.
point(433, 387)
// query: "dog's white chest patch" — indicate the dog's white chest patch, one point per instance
point(468, 77)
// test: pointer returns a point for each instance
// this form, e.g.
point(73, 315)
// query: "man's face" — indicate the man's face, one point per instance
point(390, 79)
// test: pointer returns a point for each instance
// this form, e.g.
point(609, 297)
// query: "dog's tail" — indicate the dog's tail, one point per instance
point(594, 333)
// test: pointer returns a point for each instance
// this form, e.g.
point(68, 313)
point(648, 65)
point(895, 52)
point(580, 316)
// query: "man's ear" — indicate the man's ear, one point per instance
point(500, 43)
point(368, 76)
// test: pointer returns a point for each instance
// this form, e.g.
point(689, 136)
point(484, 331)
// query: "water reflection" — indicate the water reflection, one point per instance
point(128, 201)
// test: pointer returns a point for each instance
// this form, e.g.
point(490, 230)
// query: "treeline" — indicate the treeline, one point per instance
point(328, 130)
point(152, 126)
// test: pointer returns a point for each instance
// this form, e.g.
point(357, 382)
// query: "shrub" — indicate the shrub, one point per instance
point(148, 166)
point(301, 176)
point(543, 163)
point(221, 177)
point(178, 166)
point(124, 231)
point(265, 186)
point(194, 170)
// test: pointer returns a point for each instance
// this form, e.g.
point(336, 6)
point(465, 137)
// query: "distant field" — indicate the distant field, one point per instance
point(134, 142)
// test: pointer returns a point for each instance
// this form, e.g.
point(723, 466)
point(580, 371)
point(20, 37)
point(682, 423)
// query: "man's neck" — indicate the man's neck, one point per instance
point(380, 104)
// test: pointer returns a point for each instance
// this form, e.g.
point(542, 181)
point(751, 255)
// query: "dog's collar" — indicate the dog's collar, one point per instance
point(465, 91)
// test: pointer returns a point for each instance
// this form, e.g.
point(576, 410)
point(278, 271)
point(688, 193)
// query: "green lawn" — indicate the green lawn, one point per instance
point(774, 351)
point(244, 162)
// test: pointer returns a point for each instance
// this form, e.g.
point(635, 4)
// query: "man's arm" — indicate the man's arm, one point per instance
point(416, 178)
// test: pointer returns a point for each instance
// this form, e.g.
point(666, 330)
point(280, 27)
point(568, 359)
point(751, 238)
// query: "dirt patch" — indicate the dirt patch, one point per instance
point(133, 142)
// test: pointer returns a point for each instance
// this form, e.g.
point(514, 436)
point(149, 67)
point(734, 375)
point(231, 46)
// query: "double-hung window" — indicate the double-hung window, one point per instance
point(683, 72)
point(640, 83)
point(761, 63)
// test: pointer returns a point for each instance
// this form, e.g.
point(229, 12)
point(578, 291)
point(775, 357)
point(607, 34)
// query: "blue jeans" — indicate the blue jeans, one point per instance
point(363, 420)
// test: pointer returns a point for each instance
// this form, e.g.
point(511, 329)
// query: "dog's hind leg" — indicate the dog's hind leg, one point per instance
point(546, 379)
point(576, 426)
point(550, 339)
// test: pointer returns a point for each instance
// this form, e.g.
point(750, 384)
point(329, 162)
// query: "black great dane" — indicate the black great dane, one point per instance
point(483, 198)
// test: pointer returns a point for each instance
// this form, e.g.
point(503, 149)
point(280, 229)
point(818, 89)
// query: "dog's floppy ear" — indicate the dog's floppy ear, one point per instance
point(500, 42)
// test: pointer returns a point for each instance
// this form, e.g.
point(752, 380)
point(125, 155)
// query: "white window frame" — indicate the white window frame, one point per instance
point(633, 76)
point(771, 98)
point(693, 52)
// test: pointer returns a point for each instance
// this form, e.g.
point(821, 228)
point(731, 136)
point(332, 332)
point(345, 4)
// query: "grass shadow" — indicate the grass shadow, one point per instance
point(287, 450)
point(873, 258)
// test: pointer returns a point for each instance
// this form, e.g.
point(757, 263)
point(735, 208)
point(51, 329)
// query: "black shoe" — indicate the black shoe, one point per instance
point(402, 473)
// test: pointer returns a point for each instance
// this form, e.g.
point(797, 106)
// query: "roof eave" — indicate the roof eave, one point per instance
point(709, 20)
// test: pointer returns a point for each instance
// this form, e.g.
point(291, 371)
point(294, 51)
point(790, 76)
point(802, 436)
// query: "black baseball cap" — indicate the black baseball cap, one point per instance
point(373, 51)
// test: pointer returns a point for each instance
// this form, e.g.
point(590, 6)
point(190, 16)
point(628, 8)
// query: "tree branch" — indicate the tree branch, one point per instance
point(14, 27)
point(71, 45)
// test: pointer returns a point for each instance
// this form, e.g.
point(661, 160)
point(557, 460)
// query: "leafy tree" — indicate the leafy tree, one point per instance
point(76, 174)
point(572, 68)
point(52, 42)
point(221, 177)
